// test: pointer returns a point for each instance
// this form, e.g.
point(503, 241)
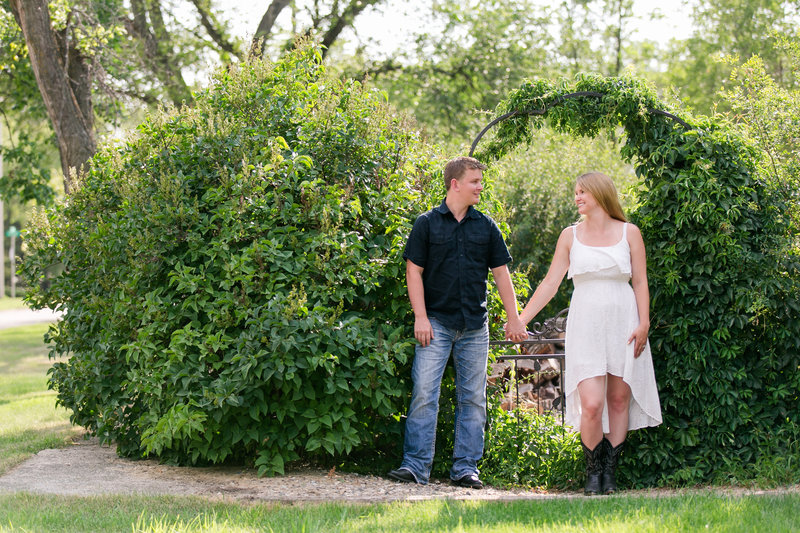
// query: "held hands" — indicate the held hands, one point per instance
point(423, 331)
point(515, 330)
point(639, 338)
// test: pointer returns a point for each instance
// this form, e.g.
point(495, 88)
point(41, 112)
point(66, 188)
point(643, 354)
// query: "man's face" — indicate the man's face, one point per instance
point(468, 188)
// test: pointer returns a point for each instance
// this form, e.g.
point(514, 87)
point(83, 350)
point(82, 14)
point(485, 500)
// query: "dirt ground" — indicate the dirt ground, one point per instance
point(86, 469)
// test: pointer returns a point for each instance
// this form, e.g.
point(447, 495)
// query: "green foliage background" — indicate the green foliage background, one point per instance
point(233, 281)
point(234, 289)
point(723, 276)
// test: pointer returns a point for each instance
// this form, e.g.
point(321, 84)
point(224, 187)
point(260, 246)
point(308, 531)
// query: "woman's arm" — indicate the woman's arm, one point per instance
point(549, 285)
point(640, 289)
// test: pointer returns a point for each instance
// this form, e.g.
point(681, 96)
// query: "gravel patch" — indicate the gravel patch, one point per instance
point(86, 468)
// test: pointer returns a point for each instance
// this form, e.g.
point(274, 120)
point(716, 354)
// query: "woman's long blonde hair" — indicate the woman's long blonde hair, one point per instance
point(602, 188)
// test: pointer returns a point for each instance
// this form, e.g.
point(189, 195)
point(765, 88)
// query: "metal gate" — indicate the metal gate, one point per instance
point(530, 373)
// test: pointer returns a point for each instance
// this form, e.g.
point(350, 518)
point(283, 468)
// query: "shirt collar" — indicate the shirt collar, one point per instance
point(443, 209)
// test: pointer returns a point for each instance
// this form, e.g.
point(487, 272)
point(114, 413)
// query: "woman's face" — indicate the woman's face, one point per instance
point(584, 200)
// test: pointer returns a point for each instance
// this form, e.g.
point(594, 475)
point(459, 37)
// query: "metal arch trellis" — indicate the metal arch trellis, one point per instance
point(556, 324)
point(557, 102)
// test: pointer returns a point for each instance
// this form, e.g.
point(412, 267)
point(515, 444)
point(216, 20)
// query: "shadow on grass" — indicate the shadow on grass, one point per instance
point(22, 349)
point(681, 512)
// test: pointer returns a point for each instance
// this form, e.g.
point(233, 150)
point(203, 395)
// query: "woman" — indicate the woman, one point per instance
point(609, 380)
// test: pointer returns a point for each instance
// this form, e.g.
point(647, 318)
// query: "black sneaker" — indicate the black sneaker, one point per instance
point(470, 480)
point(403, 475)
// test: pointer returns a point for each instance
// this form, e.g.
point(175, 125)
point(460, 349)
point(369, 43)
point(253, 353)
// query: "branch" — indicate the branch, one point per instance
point(353, 9)
point(157, 40)
point(140, 29)
point(264, 29)
point(376, 69)
point(214, 32)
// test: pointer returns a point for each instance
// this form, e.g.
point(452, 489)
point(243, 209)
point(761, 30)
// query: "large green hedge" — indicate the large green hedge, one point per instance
point(724, 284)
point(233, 281)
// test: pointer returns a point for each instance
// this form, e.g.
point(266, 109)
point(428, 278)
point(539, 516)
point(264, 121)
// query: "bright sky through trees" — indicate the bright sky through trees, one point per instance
point(392, 25)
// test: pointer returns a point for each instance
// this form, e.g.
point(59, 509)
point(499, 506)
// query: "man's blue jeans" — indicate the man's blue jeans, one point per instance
point(470, 353)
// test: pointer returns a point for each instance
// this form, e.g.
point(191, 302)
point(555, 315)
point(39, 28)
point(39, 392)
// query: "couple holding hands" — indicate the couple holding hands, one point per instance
point(608, 380)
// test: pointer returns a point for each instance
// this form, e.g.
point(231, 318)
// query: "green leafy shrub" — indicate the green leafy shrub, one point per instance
point(725, 296)
point(724, 283)
point(233, 282)
point(525, 448)
point(769, 114)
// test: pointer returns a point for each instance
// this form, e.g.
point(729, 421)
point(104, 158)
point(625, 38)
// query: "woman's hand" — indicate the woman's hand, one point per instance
point(515, 330)
point(639, 338)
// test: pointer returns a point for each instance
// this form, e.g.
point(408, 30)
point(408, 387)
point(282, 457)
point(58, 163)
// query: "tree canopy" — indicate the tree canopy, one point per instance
point(77, 62)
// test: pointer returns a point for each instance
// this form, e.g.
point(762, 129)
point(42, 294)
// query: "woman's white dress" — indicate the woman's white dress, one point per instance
point(602, 316)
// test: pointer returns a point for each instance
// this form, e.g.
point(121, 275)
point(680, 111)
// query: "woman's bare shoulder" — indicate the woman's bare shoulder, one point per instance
point(633, 229)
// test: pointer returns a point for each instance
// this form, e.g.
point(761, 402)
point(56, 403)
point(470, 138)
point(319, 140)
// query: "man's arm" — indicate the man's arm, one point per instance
point(515, 330)
point(423, 331)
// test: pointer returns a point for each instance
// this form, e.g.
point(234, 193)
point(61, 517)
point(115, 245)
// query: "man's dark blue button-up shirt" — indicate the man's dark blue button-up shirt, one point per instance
point(456, 258)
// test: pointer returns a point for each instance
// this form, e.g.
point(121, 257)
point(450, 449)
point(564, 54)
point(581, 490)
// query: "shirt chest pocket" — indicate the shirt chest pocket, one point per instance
point(464, 244)
point(442, 243)
point(477, 247)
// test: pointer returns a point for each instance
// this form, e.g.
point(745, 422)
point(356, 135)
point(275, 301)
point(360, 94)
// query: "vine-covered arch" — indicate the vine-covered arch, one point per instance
point(555, 102)
point(725, 325)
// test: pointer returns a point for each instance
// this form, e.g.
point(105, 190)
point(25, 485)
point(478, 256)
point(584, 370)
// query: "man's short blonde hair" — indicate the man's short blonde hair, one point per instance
point(455, 168)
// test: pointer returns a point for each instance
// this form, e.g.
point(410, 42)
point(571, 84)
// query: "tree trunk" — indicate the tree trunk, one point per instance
point(65, 83)
point(157, 42)
point(265, 26)
point(344, 20)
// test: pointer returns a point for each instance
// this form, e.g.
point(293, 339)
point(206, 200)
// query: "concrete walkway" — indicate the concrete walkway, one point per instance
point(23, 317)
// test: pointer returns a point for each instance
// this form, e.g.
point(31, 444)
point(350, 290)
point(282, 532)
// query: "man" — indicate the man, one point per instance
point(448, 256)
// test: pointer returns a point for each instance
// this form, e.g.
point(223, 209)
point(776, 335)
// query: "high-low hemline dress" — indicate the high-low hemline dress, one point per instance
point(602, 316)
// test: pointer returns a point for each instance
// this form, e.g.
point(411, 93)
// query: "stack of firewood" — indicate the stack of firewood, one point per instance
point(535, 382)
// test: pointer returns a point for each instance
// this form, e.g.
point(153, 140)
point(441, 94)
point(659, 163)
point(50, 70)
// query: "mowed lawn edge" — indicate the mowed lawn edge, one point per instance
point(707, 510)
point(30, 420)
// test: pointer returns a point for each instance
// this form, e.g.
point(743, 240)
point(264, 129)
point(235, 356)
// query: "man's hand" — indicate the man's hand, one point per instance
point(423, 331)
point(515, 330)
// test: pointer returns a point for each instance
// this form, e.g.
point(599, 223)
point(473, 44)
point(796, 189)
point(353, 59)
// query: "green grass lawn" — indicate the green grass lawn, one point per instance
point(29, 419)
point(29, 422)
point(11, 303)
point(689, 512)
